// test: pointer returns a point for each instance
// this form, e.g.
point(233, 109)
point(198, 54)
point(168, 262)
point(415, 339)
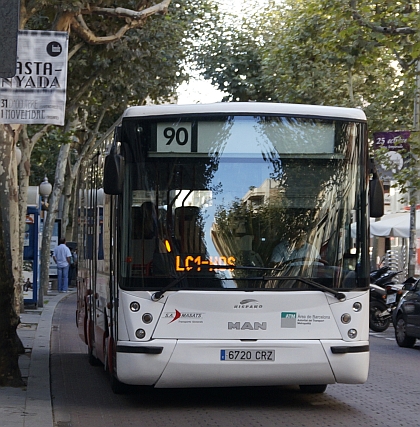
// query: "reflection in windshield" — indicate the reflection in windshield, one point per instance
point(230, 213)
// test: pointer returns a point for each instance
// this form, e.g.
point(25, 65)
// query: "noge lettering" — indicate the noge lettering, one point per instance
point(248, 326)
point(189, 262)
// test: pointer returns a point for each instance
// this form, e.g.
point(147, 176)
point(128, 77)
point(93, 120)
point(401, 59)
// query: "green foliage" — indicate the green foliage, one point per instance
point(146, 64)
point(230, 56)
point(310, 52)
point(44, 156)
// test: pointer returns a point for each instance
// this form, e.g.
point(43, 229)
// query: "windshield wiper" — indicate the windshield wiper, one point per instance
point(159, 294)
point(337, 294)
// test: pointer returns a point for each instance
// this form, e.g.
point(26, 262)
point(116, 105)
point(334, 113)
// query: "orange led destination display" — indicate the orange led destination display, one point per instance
point(189, 262)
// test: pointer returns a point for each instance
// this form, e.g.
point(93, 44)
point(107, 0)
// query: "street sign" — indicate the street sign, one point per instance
point(9, 26)
point(394, 142)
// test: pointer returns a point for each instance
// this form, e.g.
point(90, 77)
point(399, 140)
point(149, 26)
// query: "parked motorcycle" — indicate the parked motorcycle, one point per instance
point(384, 298)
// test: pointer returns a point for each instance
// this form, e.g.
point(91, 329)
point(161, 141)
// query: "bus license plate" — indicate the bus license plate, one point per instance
point(248, 355)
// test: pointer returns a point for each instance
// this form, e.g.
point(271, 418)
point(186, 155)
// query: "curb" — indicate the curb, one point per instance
point(38, 408)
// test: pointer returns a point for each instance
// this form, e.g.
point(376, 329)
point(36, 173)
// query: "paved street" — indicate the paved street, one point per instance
point(82, 396)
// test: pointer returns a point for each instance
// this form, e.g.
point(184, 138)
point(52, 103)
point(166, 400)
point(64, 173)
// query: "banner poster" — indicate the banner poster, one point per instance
point(393, 141)
point(37, 93)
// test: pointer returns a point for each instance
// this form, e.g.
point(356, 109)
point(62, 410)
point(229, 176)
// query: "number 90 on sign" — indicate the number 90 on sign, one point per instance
point(174, 137)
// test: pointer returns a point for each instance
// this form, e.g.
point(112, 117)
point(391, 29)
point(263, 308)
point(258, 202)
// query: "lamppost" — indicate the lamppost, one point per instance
point(45, 189)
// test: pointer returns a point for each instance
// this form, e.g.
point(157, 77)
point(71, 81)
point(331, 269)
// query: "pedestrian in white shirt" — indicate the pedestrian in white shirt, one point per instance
point(62, 257)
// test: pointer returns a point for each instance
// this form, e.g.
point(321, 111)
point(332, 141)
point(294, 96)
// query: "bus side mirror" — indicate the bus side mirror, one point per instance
point(376, 198)
point(113, 173)
point(376, 194)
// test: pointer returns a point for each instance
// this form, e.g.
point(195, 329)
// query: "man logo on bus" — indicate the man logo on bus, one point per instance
point(288, 319)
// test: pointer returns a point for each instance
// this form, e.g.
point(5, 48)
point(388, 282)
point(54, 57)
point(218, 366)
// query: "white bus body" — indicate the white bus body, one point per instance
point(181, 281)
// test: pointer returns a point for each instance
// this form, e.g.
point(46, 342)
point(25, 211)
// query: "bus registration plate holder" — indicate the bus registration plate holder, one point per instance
point(247, 355)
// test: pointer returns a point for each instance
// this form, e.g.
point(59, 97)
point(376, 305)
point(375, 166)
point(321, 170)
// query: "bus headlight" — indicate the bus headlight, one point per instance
point(134, 306)
point(140, 334)
point(345, 318)
point(147, 318)
point(352, 333)
point(357, 306)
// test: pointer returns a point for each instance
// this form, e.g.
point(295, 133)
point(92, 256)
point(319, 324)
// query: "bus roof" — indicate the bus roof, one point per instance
point(317, 111)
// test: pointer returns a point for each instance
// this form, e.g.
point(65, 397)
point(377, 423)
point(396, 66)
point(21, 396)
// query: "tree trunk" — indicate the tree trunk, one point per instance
point(350, 87)
point(24, 172)
point(9, 350)
point(76, 204)
point(66, 200)
point(49, 220)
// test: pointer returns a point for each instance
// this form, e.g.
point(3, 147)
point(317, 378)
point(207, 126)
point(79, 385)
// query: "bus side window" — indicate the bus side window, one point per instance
point(143, 222)
point(143, 237)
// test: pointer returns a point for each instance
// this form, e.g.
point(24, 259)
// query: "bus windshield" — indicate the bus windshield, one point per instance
point(247, 202)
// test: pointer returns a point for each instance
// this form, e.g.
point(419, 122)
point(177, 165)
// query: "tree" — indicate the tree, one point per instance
point(310, 52)
point(9, 319)
point(118, 55)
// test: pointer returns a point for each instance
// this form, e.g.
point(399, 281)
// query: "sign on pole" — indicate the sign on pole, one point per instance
point(394, 142)
point(37, 92)
point(9, 26)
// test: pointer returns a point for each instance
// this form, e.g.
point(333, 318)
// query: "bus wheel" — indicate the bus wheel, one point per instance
point(93, 361)
point(313, 388)
point(110, 355)
point(117, 386)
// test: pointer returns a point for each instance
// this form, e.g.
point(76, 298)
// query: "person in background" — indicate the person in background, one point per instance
point(28, 285)
point(62, 257)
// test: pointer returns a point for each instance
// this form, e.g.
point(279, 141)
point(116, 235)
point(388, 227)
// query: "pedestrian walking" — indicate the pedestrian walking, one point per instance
point(62, 257)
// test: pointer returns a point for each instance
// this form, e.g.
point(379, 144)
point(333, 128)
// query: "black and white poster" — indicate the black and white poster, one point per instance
point(37, 92)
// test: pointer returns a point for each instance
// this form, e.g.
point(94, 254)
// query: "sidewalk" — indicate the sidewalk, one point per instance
point(30, 406)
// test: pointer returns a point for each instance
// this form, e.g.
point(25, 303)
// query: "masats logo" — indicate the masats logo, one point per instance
point(248, 304)
point(187, 317)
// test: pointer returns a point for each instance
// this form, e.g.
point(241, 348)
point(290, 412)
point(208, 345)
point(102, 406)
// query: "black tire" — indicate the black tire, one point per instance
point(377, 323)
point(313, 388)
point(93, 361)
point(117, 386)
point(403, 340)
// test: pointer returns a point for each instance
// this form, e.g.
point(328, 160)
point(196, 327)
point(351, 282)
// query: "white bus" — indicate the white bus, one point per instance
point(222, 254)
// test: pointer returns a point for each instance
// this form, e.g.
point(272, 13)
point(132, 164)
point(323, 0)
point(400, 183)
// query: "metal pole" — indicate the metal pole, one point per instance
point(413, 234)
point(40, 287)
